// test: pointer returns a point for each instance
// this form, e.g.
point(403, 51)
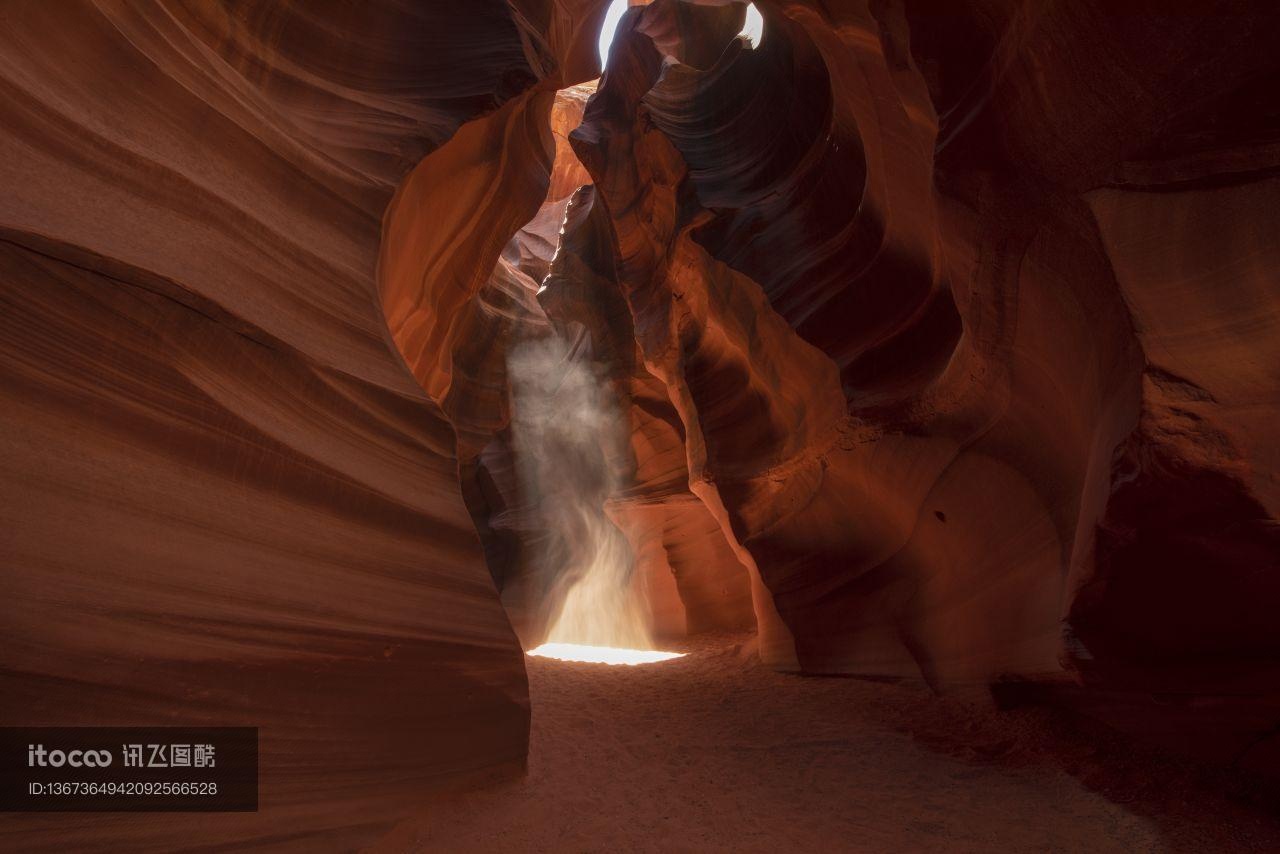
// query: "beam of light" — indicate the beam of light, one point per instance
point(611, 18)
point(602, 654)
point(569, 436)
point(753, 29)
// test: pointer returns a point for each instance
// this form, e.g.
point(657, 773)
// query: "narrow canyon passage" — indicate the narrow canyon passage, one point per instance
point(715, 380)
point(905, 369)
point(715, 752)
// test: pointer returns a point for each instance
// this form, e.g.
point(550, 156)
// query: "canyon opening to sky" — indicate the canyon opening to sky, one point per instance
point(610, 425)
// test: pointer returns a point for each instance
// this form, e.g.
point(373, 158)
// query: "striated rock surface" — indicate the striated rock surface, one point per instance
point(225, 499)
point(904, 340)
point(943, 338)
point(972, 354)
point(553, 278)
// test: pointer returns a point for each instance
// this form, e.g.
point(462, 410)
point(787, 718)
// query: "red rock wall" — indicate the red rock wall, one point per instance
point(964, 315)
point(225, 499)
point(457, 316)
point(946, 330)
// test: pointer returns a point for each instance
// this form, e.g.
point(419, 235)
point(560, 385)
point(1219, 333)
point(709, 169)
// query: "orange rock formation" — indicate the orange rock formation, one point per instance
point(943, 335)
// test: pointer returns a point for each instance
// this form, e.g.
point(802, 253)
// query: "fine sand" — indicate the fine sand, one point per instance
point(714, 752)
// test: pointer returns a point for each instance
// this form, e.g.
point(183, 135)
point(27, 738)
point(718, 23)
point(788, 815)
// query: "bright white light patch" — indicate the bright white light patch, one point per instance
point(753, 29)
point(611, 18)
point(602, 654)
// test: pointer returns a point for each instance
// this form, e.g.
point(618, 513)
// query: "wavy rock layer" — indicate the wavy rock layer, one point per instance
point(903, 338)
point(967, 356)
point(944, 336)
point(225, 499)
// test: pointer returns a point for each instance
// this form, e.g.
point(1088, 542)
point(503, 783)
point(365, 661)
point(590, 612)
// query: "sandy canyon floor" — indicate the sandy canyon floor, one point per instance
point(714, 752)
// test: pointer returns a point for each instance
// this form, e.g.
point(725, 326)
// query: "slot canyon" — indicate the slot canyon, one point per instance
point(891, 386)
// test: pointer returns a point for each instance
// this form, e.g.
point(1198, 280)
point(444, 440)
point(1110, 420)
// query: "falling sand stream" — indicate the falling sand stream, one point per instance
point(569, 446)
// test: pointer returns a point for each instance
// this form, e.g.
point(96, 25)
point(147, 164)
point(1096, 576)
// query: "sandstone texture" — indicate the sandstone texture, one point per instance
point(941, 341)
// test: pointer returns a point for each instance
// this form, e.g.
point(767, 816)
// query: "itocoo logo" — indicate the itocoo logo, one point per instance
point(37, 755)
